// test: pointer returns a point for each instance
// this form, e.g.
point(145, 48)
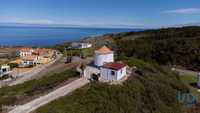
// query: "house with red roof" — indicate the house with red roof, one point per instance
point(104, 68)
point(32, 56)
point(29, 60)
point(25, 52)
point(113, 71)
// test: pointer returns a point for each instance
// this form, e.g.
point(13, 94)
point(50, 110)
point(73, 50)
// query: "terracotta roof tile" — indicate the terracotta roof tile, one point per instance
point(114, 66)
point(104, 50)
point(25, 49)
point(29, 58)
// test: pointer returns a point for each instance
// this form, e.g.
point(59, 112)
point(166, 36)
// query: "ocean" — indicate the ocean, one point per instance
point(35, 36)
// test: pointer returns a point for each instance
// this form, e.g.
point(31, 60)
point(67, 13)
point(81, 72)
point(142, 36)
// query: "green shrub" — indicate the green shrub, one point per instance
point(164, 46)
point(4, 77)
point(13, 65)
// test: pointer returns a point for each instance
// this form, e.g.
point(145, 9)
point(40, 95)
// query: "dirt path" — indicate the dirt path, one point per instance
point(41, 101)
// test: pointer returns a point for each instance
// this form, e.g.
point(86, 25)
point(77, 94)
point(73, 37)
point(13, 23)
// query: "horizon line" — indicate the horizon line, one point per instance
point(114, 26)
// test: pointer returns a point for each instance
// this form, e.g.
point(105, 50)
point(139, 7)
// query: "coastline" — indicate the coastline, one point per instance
point(44, 37)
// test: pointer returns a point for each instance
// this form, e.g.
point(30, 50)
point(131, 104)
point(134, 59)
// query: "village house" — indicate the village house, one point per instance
point(80, 45)
point(25, 52)
point(29, 60)
point(44, 56)
point(4, 70)
point(113, 71)
point(30, 56)
point(104, 68)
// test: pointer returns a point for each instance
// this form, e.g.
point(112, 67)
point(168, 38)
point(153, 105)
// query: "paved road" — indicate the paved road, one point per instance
point(41, 101)
point(185, 72)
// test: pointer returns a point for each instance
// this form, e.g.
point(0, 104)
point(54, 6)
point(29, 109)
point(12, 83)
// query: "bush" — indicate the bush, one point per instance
point(164, 46)
point(4, 77)
point(13, 65)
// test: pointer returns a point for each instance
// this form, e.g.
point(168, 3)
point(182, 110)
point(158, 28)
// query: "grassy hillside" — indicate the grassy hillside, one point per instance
point(151, 88)
point(174, 46)
point(154, 91)
point(87, 52)
point(166, 46)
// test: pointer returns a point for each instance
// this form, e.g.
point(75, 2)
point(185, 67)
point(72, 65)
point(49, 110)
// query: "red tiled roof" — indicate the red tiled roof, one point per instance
point(42, 51)
point(29, 58)
point(39, 51)
point(114, 66)
point(25, 49)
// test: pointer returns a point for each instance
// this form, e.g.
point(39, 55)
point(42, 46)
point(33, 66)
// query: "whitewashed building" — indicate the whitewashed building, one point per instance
point(25, 52)
point(77, 45)
point(29, 60)
point(113, 71)
point(4, 70)
point(104, 68)
point(103, 55)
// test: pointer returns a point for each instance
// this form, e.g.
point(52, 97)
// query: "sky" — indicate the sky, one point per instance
point(147, 13)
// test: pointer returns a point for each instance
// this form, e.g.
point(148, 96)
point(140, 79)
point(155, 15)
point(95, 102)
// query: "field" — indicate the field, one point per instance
point(7, 54)
point(80, 52)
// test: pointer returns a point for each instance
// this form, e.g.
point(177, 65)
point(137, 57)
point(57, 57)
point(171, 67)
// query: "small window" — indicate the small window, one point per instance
point(121, 71)
point(113, 73)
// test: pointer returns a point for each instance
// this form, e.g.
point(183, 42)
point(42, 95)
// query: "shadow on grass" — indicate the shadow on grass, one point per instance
point(194, 85)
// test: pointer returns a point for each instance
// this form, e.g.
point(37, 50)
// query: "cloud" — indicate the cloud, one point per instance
point(184, 11)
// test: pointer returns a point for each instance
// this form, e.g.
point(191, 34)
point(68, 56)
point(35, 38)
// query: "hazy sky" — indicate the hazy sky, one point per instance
point(101, 12)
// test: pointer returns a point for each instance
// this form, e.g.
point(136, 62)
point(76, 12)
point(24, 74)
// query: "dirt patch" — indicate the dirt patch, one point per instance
point(7, 52)
point(57, 67)
point(21, 70)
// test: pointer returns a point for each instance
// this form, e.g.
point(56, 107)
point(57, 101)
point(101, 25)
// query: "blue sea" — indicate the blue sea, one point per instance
point(35, 36)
